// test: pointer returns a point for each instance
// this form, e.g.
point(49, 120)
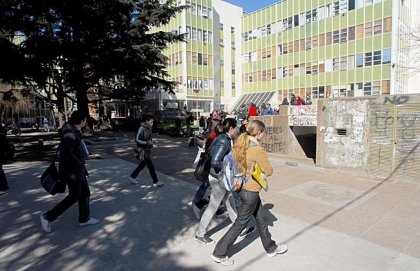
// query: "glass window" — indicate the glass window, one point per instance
point(377, 27)
point(386, 87)
point(321, 40)
point(359, 60)
point(336, 64)
point(336, 36)
point(368, 29)
point(343, 63)
point(386, 56)
point(205, 60)
point(351, 62)
point(387, 25)
point(377, 57)
point(368, 59)
point(376, 88)
point(367, 89)
point(359, 31)
point(194, 34)
point(328, 38)
point(352, 33)
point(336, 8)
point(194, 58)
point(188, 32)
point(343, 35)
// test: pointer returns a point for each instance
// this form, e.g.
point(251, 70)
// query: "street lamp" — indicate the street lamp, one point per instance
point(196, 101)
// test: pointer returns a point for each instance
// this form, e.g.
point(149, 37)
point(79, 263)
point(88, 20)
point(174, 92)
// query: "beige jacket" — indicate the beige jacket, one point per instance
point(256, 154)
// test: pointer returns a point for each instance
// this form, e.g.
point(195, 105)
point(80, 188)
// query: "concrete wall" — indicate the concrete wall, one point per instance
point(377, 135)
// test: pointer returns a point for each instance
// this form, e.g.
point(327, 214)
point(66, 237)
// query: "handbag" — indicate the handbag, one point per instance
point(50, 179)
point(258, 176)
point(202, 171)
point(139, 153)
point(197, 157)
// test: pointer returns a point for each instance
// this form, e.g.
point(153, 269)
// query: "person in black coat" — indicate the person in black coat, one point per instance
point(4, 186)
point(72, 155)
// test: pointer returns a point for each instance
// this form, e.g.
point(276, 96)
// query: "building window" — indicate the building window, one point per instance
point(200, 59)
point(205, 60)
point(221, 27)
point(351, 62)
point(233, 85)
point(222, 84)
point(336, 8)
point(336, 36)
point(377, 58)
point(376, 88)
point(352, 33)
point(343, 35)
point(343, 63)
point(336, 64)
point(377, 27)
point(368, 59)
point(386, 87)
point(387, 25)
point(321, 40)
point(359, 31)
point(386, 56)
point(328, 37)
point(359, 60)
point(368, 29)
point(367, 89)
point(194, 58)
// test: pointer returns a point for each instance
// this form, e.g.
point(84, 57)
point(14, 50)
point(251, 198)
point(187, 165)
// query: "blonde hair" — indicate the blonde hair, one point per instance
point(242, 143)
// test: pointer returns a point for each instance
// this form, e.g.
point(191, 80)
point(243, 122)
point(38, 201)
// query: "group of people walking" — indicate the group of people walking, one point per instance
point(246, 152)
point(241, 206)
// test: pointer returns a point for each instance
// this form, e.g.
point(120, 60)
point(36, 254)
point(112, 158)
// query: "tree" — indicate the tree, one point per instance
point(75, 46)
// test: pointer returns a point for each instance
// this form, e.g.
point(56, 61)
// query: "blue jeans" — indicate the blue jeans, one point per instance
point(250, 206)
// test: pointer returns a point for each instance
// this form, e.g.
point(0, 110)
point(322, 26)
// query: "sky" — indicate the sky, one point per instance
point(251, 5)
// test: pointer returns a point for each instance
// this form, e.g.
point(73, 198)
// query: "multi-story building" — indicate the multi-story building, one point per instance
point(312, 48)
point(207, 66)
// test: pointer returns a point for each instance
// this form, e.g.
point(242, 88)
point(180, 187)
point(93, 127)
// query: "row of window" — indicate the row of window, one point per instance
point(320, 13)
point(343, 35)
point(199, 59)
point(199, 83)
point(321, 66)
point(199, 10)
point(199, 34)
point(349, 90)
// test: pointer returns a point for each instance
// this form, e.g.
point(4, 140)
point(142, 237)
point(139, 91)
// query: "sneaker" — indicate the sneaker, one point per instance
point(133, 180)
point(45, 224)
point(246, 232)
point(158, 184)
point(205, 239)
point(223, 260)
point(91, 221)
point(280, 250)
point(196, 210)
point(3, 191)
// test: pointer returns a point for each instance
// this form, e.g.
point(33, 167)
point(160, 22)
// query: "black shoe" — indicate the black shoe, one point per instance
point(205, 239)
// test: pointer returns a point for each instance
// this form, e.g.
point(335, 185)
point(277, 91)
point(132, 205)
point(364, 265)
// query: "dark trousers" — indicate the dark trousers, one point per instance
point(250, 206)
point(78, 192)
point(3, 181)
point(146, 161)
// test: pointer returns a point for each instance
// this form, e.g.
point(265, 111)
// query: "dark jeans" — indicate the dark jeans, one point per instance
point(251, 205)
point(146, 161)
point(78, 192)
point(199, 195)
point(3, 181)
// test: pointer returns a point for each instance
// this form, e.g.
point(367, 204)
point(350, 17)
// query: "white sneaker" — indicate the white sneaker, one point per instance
point(133, 180)
point(91, 221)
point(223, 260)
point(158, 184)
point(45, 224)
point(280, 250)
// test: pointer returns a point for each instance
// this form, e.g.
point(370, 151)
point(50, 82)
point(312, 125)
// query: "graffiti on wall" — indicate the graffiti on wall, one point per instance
point(274, 140)
point(305, 115)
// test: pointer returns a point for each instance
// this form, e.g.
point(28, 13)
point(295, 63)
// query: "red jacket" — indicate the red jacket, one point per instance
point(252, 111)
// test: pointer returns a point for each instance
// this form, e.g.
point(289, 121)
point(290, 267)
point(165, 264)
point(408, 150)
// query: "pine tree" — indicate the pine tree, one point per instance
point(78, 46)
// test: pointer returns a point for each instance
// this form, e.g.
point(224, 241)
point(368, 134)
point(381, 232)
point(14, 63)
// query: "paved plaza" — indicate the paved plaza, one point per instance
point(330, 219)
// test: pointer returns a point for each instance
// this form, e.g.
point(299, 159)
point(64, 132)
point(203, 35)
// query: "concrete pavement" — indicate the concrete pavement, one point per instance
point(331, 220)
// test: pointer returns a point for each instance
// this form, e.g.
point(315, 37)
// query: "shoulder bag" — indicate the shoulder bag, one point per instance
point(50, 178)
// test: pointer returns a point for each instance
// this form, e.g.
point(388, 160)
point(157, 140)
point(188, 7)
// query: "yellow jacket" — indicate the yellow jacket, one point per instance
point(256, 154)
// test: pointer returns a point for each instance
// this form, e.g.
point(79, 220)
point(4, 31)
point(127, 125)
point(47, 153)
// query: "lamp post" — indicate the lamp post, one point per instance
point(196, 91)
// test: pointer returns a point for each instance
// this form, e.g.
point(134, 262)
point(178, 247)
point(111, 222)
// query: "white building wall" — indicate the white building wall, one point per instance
point(414, 66)
point(230, 16)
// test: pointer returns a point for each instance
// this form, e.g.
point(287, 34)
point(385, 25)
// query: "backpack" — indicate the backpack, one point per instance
point(231, 178)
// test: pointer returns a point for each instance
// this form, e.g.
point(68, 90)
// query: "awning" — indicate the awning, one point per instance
point(256, 98)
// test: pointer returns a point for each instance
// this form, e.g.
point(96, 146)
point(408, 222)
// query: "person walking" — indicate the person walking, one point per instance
point(4, 186)
point(144, 148)
point(220, 147)
point(247, 152)
point(72, 154)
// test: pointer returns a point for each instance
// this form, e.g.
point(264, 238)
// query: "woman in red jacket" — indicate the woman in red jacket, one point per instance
point(252, 110)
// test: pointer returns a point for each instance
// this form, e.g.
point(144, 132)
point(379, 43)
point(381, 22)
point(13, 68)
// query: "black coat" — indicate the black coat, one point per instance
point(72, 163)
